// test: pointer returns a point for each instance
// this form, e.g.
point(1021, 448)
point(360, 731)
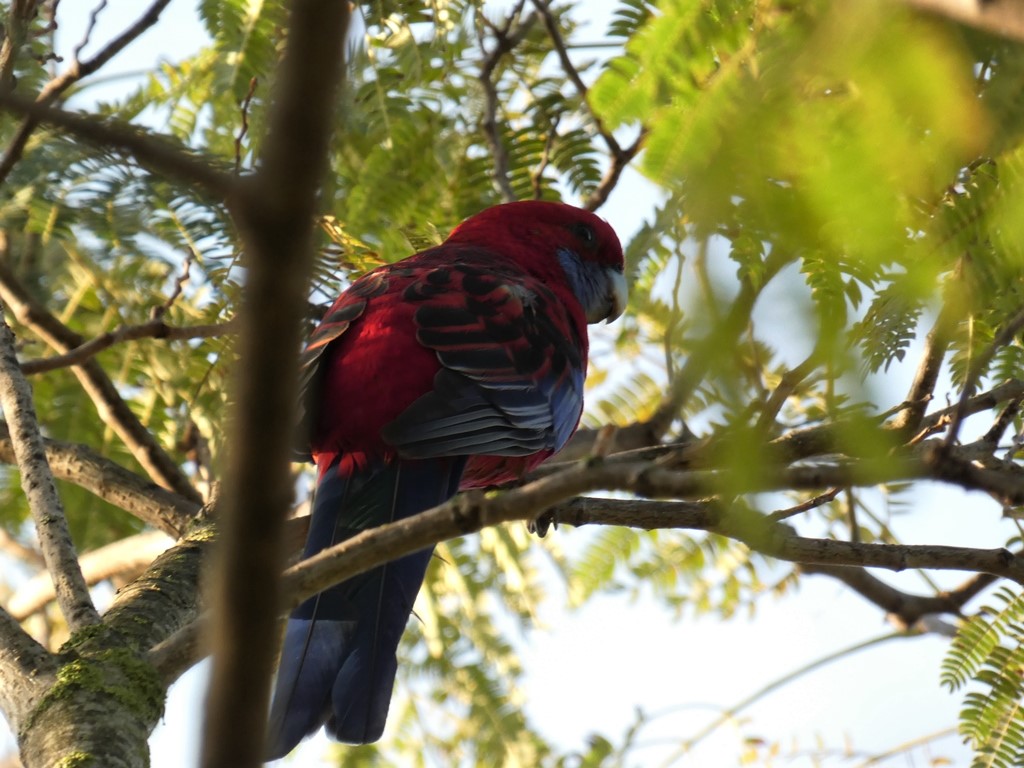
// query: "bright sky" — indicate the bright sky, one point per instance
point(590, 670)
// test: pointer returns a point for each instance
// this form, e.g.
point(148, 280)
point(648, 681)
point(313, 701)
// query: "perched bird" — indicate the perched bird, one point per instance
point(459, 367)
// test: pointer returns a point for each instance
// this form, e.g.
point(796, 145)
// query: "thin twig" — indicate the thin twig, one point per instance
point(620, 157)
point(157, 312)
point(927, 375)
point(154, 329)
point(14, 548)
point(551, 23)
point(734, 710)
point(505, 41)
point(537, 176)
point(112, 408)
point(40, 490)
point(787, 384)
point(78, 69)
point(611, 175)
point(94, 17)
point(812, 503)
point(156, 153)
point(728, 331)
point(244, 110)
point(978, 366)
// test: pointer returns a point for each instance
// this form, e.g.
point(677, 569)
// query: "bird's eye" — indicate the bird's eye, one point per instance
point(585, 233)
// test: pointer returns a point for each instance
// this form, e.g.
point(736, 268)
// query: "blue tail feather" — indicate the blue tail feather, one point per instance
point(338, 660)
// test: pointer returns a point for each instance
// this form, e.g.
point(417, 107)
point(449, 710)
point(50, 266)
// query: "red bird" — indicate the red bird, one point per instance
point(459, 367)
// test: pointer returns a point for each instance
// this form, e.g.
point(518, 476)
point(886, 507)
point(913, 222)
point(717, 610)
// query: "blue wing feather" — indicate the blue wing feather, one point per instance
point(338, 659)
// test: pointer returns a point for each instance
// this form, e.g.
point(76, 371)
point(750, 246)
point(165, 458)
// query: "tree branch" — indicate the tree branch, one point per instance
point(26, 671)
point(787, 384)
point(111, 482)
point(469, 513)
point(825, 438)
point(166, 596)
point(125, 558)
point(1001, 17)
point(274, 213)
point(620, 157)
point(905, 608)
point(551, 23)
point(154, 329)
point(37, 481)
point(156, 153)
point(78, 69)
point(112, 408)
point(611, 175)
point(977, 368)
point(505, 42)
point(910, 418)
point(472, 511)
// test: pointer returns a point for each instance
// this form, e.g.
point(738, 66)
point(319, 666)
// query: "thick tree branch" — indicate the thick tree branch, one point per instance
point(125, 558)
point(26, 670)
point(470, 512)
point(112, 408)
point(166, 597)
point(905, 608)
point(274, 213)
point(37, 481)
point(103, 672)
point(78, 69)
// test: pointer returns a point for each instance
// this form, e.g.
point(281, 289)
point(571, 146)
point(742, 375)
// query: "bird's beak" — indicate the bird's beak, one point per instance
point(615, 299)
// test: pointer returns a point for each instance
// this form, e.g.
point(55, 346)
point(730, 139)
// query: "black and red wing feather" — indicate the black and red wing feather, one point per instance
point(346, 310)
point(512, 365)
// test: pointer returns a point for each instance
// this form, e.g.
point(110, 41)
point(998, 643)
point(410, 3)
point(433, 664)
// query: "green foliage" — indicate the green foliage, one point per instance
point(986, 659)
point(849, 167)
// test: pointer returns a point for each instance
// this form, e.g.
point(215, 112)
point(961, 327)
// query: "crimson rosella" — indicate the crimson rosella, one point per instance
point(460, 367)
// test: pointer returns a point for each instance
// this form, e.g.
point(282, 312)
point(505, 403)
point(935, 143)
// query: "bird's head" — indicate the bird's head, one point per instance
point(547, 236)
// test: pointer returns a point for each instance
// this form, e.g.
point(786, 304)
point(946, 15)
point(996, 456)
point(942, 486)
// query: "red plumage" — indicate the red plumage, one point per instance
point(375, 367)
point(461, 366)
